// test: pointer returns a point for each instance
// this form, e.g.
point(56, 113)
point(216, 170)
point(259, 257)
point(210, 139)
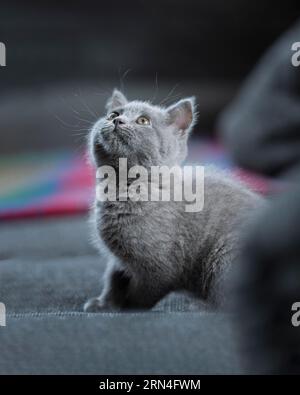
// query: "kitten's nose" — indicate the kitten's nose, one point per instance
point(118, 121)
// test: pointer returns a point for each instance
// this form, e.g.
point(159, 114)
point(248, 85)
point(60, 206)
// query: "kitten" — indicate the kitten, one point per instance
point(154, 248)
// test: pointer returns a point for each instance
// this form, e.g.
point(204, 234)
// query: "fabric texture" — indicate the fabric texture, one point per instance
point(48, 270)
point(142, 343)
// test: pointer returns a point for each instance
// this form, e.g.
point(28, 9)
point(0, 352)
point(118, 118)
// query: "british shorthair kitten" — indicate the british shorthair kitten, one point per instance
point(153, 248)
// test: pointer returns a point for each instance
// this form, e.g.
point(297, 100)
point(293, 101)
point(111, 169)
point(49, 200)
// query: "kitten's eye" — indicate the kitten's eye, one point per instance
point(143, 120)
point(113, 115)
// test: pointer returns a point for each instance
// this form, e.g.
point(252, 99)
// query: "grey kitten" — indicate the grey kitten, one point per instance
point(154, 248)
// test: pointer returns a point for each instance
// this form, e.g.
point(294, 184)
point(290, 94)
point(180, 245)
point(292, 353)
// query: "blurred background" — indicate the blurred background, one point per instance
point(60, 54)
point(64, 59)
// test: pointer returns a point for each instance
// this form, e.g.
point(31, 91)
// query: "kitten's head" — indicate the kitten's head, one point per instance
point(145, 134)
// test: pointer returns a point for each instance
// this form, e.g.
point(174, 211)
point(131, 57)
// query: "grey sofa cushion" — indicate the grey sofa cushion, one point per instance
point(50, 266)
point(125, 343)
point(48, 269)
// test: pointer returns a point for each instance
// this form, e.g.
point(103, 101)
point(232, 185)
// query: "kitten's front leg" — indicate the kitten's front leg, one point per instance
point(145, 293)
point(122, 292)
point(114, 294)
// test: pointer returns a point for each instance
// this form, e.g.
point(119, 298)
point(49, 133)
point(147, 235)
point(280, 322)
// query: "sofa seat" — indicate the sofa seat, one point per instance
point(48, 269)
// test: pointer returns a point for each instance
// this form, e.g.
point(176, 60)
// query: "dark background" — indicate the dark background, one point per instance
point(65, 55)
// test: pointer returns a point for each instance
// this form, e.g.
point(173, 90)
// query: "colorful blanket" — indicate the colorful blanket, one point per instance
point(44, 184)
point(62, 182)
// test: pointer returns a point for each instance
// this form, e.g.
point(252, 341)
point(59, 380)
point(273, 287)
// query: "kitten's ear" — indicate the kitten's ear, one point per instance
point(182, 115)
point(116, 100)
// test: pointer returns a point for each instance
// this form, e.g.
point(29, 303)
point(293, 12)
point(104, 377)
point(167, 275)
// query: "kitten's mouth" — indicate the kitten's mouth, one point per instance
point(110, 129)
point(111, 137)
point(118, 128)
point(106, 131)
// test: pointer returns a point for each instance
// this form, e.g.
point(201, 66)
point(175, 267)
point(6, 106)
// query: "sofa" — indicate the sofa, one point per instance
point(48, 269)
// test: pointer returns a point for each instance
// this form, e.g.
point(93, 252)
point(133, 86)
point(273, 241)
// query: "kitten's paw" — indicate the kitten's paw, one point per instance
point(95, 305)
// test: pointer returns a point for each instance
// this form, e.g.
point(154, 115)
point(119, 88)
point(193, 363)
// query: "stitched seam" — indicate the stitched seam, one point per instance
point(106, 314)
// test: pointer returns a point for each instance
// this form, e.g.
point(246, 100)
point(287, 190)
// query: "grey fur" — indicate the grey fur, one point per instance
point(154, 248)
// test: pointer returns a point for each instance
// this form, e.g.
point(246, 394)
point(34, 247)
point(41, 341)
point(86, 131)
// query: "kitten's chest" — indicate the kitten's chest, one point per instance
point(122, 227)
point(134, 232)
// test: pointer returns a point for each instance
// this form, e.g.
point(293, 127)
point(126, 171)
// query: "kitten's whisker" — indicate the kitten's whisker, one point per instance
point(122, 78)
point(169, 94)
point(87, 107)
point(70, 106)
point(84, 120)
point(65, 124)
point(156, 88)
point(172, 98)
point(74, 111)
point(81, 134)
